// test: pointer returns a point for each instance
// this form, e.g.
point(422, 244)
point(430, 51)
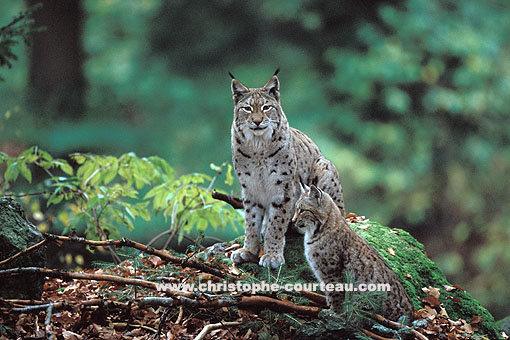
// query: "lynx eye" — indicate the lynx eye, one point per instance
point(266, 108)
point(247, 108)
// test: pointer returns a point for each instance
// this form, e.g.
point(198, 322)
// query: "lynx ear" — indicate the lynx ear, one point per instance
point(316, 193)
point(272, 87)
point(238, 89)
point(302, 186)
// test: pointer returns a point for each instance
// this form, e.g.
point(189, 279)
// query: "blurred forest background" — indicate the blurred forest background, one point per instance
point(408, 98)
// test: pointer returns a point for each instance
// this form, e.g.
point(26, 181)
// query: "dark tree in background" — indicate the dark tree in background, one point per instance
point(56, 80)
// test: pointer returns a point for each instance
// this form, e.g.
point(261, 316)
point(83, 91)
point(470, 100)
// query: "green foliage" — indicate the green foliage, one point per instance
point(106, 192)
point(20, 28)
point(358, 306)
point(424, 117)
point(408, 99)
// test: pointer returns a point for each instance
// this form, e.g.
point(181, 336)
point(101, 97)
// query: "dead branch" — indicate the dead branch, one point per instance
point(253, 301)
point(38, 306)
point(162, 321)
point(61, 274)
point(394, 325)
point(235, 202)
point(213, 326)
point(179, 316)
point(23, 252)
point(315, 297)
point(124, 325)
point(164, 255)
point(374, 336)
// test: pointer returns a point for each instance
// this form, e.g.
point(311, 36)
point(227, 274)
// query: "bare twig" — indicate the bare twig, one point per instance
point(179, 317)
point(164, 255)
point(37, 306)
point(213, 326)
point(179, 217)
point(88, 276)
point(24, 252)
point(253, 301)
point(162, 321)
point(123, 325)
point(374, 336)
point(235, 202)
point(27, 194)
point(47, 322)
point(395, 325)
point(317, 298)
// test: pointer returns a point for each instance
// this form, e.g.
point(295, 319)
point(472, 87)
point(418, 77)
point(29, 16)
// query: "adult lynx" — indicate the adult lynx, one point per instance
point(270, 159)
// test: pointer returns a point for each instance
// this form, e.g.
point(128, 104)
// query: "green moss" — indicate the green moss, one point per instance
point(410, 263)
point(17, 234)
point(415, 270)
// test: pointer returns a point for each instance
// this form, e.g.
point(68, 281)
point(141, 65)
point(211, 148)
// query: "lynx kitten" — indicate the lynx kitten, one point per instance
point(332, 247)
point(270, 158)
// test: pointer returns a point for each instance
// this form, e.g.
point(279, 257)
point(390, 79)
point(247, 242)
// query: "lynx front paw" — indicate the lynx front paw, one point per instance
point(272, 260)
point(242, 255)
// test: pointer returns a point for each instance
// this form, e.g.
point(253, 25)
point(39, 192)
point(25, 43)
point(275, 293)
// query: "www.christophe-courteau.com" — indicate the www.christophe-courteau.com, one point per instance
point(263, 286)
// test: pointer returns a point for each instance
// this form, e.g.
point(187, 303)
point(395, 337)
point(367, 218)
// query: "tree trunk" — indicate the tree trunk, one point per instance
point(56, 80)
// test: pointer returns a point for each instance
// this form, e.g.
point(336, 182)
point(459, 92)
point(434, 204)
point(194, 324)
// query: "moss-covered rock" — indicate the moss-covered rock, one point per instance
point(406, 256)
point(17, 234)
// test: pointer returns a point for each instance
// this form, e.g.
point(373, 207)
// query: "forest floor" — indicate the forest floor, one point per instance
point(125, 301)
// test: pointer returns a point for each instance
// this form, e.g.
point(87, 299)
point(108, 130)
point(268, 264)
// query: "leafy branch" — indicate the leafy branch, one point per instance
point(103, 193)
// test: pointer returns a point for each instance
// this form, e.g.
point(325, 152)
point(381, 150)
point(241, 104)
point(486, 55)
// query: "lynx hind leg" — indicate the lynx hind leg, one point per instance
point(325, 176)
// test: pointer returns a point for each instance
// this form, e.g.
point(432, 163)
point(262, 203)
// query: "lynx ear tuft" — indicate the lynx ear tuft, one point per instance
point(238, 90)
point(302, 186)
point(276, 72)
point(231, 75)
point(316, 193)
point(272, 87)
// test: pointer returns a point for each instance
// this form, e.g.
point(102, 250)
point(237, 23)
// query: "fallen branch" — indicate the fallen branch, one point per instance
point(164, 255)
point(47, 325)
point(374, 336)
point(235, 202)
point(58, 305)
point(24, 252)
point(253, 301)
point(395, 325)
point(315, 297)
point(61, 274)
point(213, 326)
point(162, 321)
point(124, 325)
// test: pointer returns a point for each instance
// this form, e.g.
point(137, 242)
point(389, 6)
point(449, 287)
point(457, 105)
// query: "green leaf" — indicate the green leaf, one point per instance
point(214, 167)
point(55, 198)
point(130, 212)
point(229, 180)
point(12, 172)
point(65, 167)
point(45, 155)
point(25, 171)
point(78, 158)
point(27, 152)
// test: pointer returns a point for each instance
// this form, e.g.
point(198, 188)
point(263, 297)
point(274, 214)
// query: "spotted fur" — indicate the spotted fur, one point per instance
point(332, 247)
point(270, 160)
